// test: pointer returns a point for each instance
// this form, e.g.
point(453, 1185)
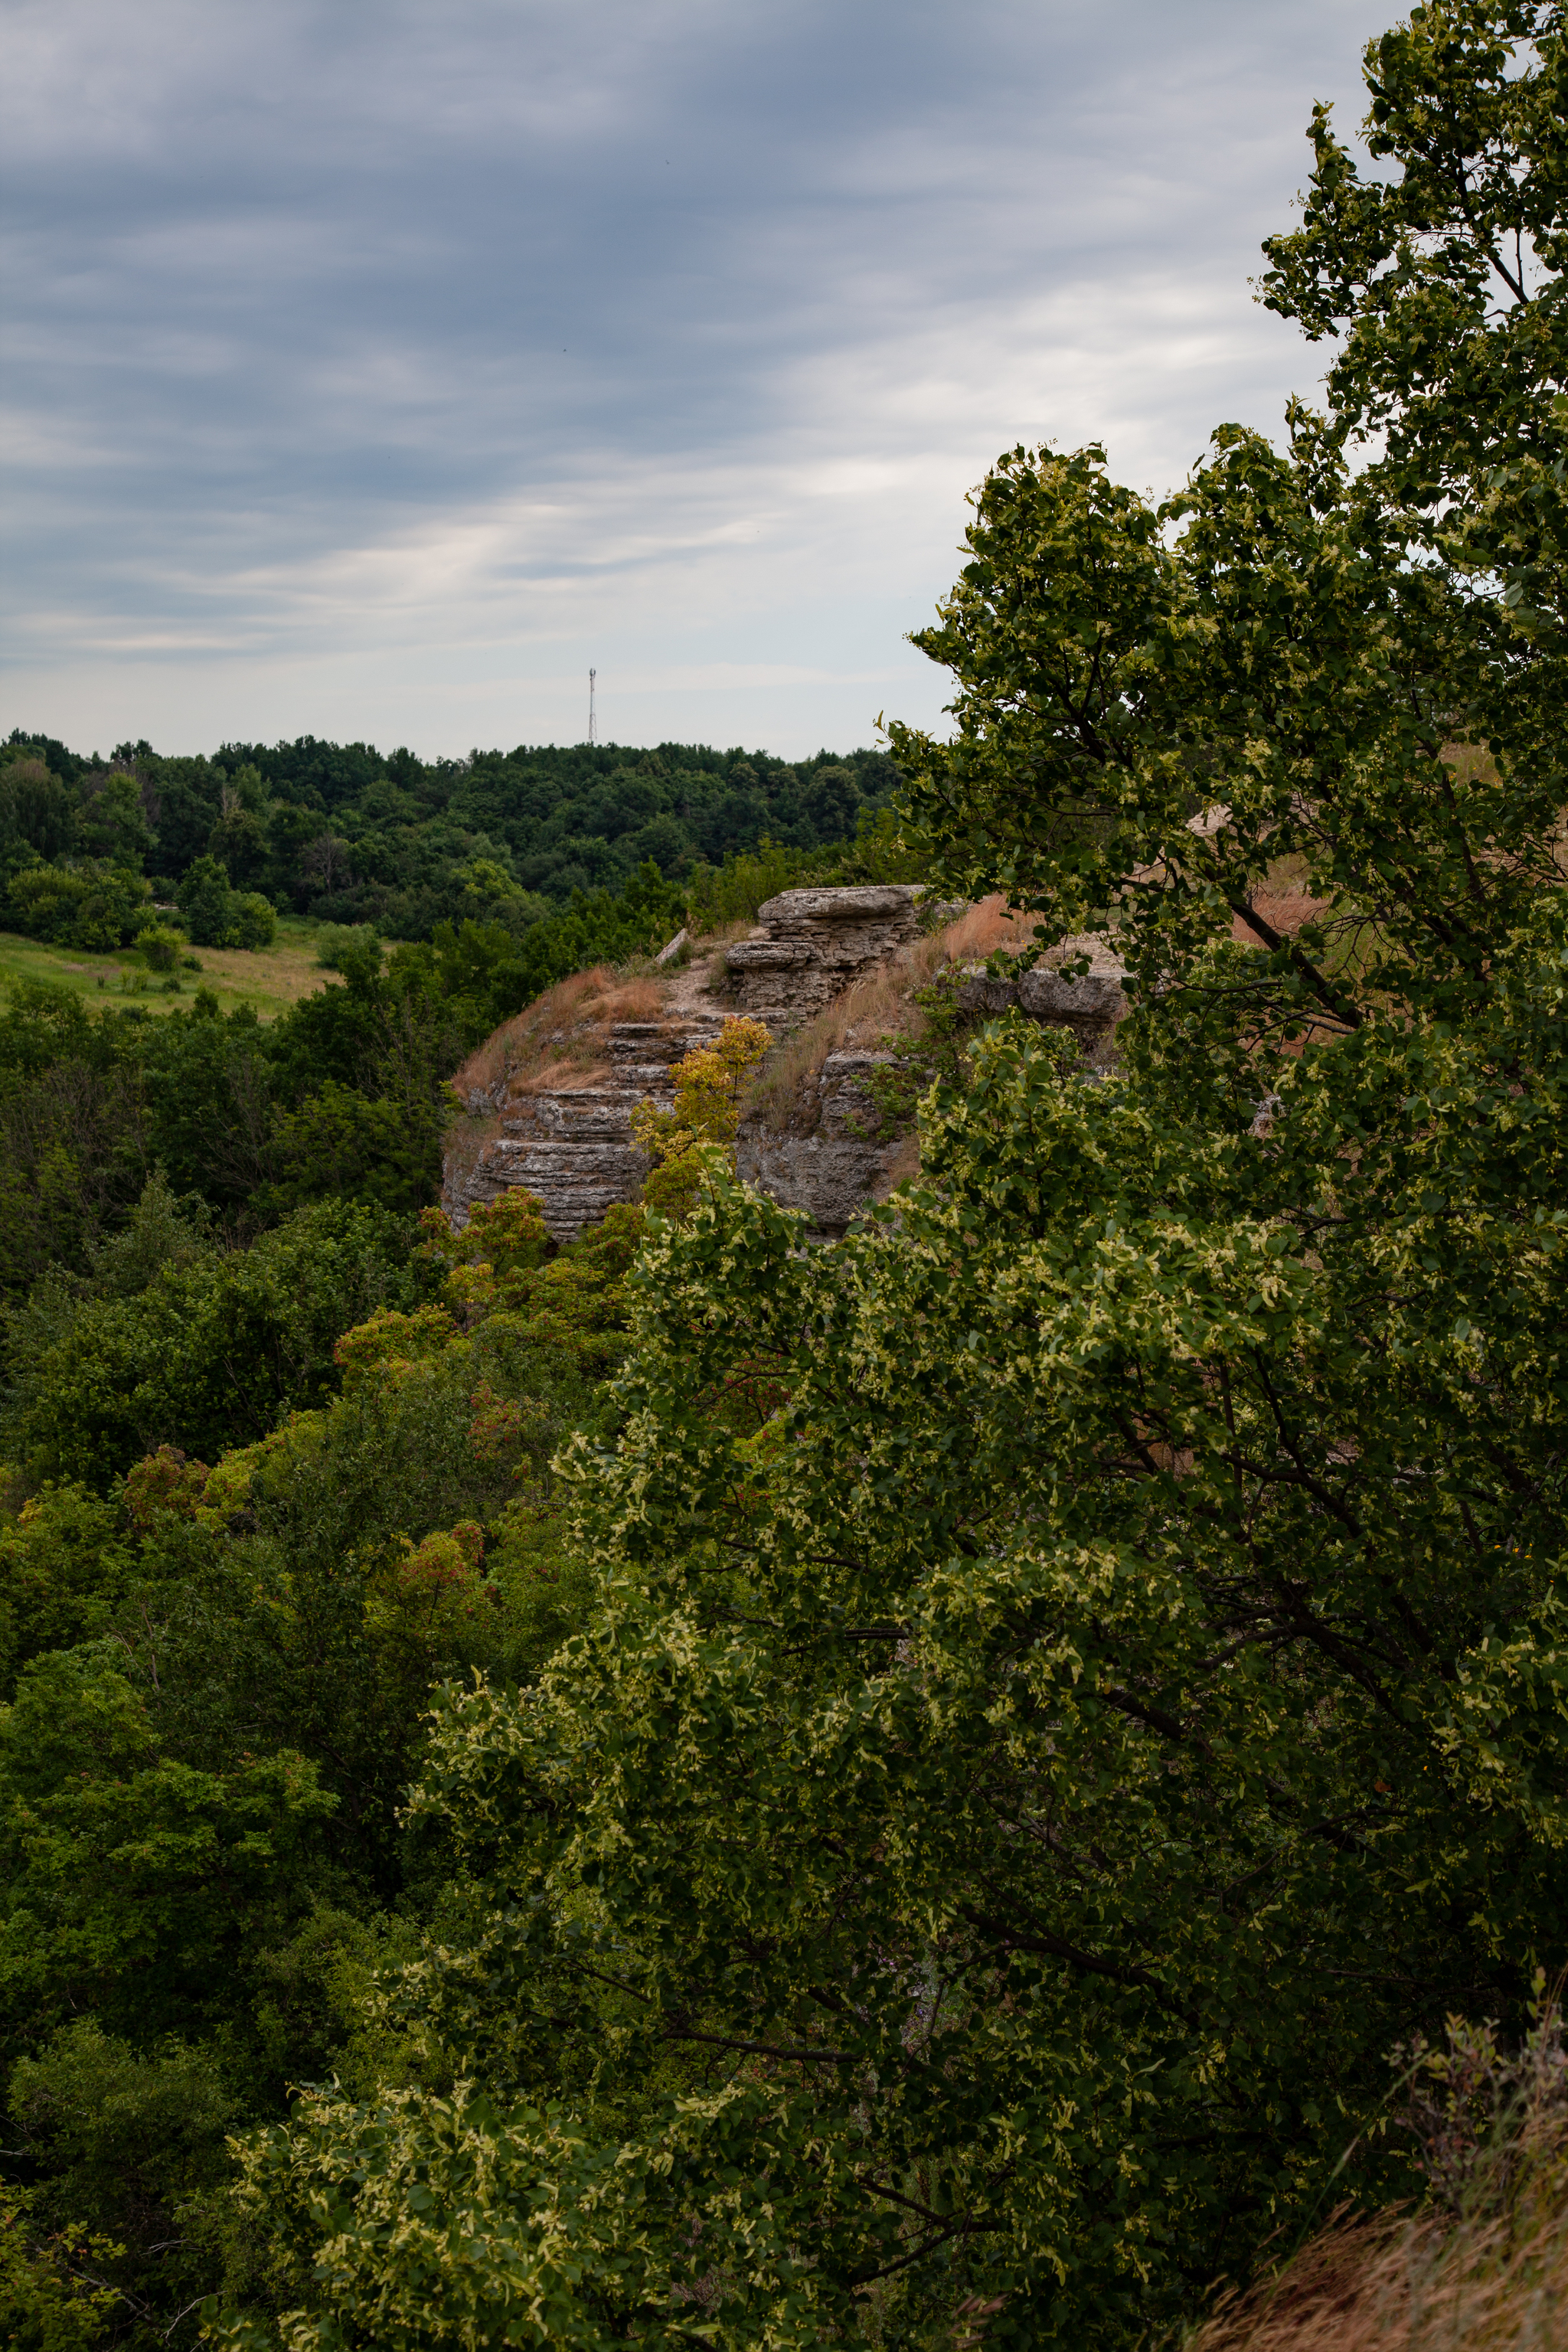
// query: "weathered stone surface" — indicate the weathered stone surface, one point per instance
point(831, 1180)
point(843, 1163)
point(1090, 1005)
point(573, 1145)
point(886, 902)
point(811, 945)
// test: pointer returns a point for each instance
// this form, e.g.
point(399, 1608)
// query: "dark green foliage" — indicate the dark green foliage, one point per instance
point(137, 2138)
point(216, 1684)
point(1080, 1671)
point(67, 1566)
point(71, 1160)
point(209, 1353)
point(505, 841)
point(87, 904)
point(37, 812)
point(883, 850)
point(344, 1097)
point(491, 975)
point(217, 916)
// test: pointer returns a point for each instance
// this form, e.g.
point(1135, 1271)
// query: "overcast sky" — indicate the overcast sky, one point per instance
point(372, 367)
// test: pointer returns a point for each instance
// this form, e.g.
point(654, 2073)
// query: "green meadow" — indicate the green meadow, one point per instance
point(267, 980)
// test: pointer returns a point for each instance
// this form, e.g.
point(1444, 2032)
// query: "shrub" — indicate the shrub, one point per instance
point(160, 946)
point(253, 920)
point(334, 942)
point(219, 917)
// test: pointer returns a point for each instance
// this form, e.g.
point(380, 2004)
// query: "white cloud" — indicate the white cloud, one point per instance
point(375, 369)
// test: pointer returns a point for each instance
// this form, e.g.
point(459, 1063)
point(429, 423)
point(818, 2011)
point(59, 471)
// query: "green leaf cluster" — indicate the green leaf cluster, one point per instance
point(1080, 1669)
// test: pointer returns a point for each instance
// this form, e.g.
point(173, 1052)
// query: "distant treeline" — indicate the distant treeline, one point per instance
point(350, 835)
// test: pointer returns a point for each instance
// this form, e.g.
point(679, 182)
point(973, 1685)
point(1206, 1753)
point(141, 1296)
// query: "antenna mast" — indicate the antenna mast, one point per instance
point(593, 738)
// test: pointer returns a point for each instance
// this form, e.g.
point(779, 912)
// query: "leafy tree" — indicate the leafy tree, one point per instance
point(204, 897)
point(218, 1679)
point(90, 906)
point(706, 1113)
point(65, 1570)
point(53, 2300)
point(71, 1157)
point(160, 946)
point(209, 1354)
point(37, 812)
point(1080, 1671)
point(238, 840)
point(112, 823)
point(219, 917)
point(107, 2130)
point(132, 1880)
point(253, 922)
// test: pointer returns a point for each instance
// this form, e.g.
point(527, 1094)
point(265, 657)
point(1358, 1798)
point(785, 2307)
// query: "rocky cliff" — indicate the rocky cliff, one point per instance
point(809, 946)
point(550, 1106)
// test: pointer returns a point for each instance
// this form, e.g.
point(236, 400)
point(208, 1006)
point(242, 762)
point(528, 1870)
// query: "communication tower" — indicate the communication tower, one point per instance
point(593, 736)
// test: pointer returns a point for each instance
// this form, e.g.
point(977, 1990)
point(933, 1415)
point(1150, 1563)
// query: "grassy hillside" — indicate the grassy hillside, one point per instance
point(267, 980)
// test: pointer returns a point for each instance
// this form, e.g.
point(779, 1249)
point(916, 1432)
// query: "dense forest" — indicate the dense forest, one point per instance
point(988, 1784)
point(340, 832)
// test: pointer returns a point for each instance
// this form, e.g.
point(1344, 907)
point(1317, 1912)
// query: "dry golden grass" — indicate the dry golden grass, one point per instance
point(1393, 2284)
point(988, 928)
point(879, 1006)
point(562, 1038)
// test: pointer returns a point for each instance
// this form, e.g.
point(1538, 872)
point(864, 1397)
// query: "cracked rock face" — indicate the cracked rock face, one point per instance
point(1090, 1005)
point(809, 946)
point(834, 1173)
point(572, 1144)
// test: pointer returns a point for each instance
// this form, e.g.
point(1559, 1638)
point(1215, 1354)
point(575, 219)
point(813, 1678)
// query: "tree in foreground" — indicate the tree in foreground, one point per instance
point(1081, 1671)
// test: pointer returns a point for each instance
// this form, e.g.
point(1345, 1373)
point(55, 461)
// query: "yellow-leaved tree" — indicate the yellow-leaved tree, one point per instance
point(709, 1085)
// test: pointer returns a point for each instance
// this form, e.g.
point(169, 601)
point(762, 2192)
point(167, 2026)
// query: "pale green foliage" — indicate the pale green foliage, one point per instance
point(454, 2222)
point(700, 1127)
point(1081, 1669)
point(48, 2305)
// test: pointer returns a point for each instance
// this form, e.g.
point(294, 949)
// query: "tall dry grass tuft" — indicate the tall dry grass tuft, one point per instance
point(1393, 2285)
point(989, 927)
point(1484, 2266)
point(565, 1031)
point(880, 1005)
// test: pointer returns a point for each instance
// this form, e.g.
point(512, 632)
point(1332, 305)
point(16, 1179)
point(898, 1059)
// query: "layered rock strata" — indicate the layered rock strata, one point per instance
point(809, 946)
point(844, 1162)
point(572, 1143)
point(1090, 1005)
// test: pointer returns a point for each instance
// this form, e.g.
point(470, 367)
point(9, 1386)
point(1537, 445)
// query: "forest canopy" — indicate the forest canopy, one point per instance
point(347, 835)
point(933, 1790)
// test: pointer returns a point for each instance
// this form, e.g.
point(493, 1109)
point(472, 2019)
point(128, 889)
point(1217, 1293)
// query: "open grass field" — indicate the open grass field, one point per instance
point(268, 979)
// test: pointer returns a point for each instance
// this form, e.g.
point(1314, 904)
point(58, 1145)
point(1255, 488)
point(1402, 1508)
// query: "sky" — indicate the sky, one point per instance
point(371, 368)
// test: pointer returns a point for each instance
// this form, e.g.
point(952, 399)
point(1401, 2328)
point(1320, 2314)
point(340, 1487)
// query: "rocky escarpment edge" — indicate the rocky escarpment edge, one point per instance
point(572, 1143)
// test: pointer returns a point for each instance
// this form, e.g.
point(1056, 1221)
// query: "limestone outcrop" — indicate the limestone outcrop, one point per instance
point(565, 1130)
point(809, 946)
point(1090, 1005)
point(572, 1142)
point(840, 1164)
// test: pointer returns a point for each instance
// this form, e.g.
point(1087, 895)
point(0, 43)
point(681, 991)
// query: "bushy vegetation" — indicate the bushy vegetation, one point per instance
point(340, 832)
point(958, 1787)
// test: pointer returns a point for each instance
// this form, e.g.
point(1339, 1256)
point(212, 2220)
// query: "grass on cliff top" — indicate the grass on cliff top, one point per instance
point(269, 979)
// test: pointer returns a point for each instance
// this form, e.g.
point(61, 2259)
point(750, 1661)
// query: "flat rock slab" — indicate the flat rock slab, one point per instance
point(809, 946)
